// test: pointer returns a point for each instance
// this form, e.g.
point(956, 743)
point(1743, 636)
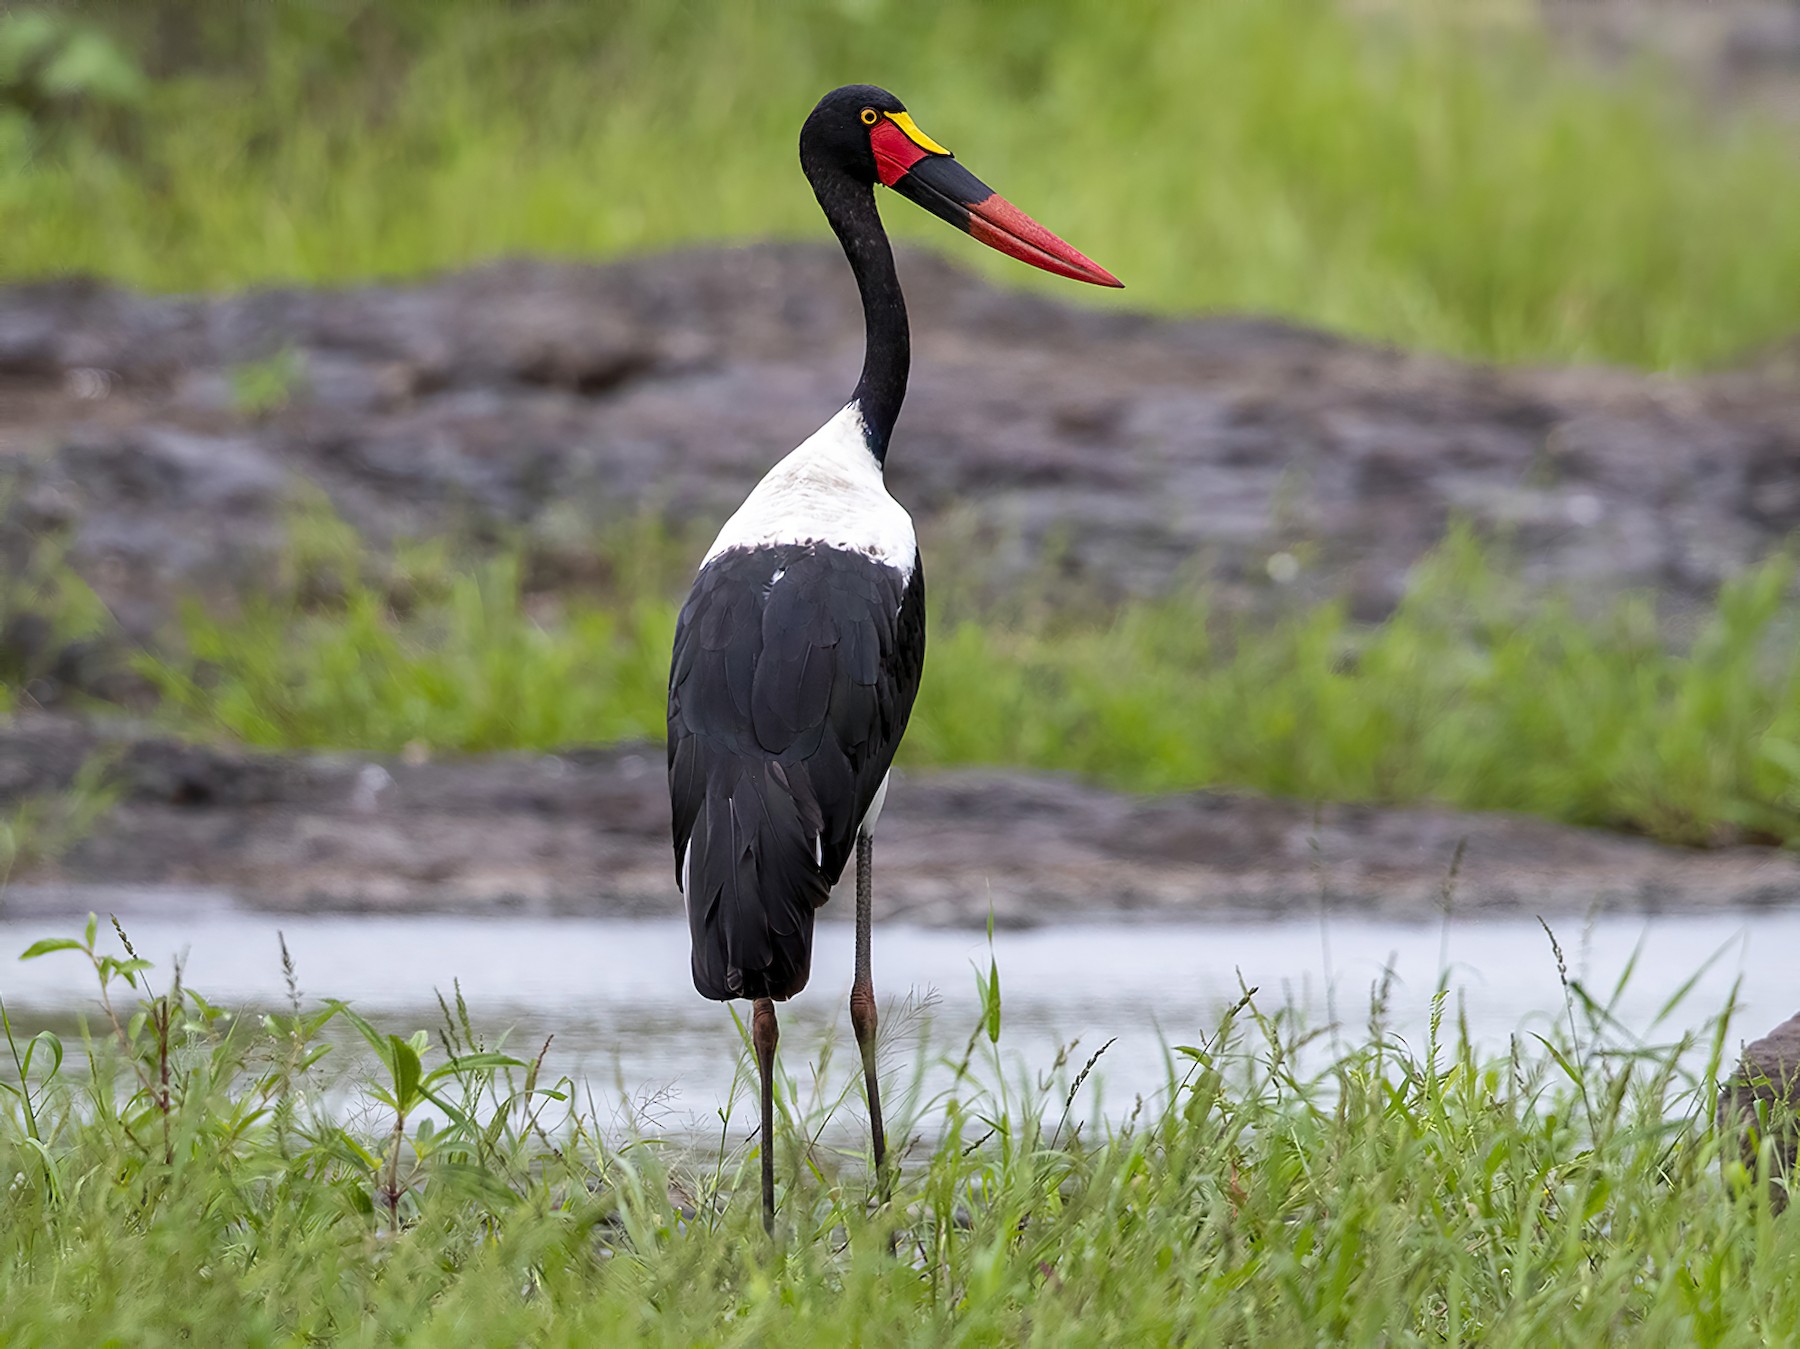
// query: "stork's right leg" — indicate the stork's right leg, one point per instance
point(862, 994)
point(763, 1036)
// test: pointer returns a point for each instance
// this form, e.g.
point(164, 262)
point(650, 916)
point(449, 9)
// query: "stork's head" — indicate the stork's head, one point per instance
point(864, 133)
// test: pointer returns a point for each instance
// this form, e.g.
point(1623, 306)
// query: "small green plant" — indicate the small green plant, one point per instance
point(52, 624)
point(410, 1086)
point(43, 826)
point(50, 60)
point(263, 388)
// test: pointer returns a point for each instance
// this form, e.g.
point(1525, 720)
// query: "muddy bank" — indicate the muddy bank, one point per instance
point(164, 438)
point(587, 833)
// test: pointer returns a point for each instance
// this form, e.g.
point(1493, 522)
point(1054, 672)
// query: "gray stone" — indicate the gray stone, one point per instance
point(1763, 1098)
point(587, 832)
point(1126, 452)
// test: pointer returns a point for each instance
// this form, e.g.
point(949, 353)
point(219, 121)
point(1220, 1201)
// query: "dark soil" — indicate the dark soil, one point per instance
point(588, 833)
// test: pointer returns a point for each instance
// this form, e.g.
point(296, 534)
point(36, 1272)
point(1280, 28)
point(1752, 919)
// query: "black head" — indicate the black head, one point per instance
point(835, 138)
point(861, 135)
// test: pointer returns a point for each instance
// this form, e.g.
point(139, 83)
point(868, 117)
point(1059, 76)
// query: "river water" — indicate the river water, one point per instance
point(628, 1025)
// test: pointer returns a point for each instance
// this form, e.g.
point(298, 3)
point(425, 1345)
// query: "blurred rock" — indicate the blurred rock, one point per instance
point(587, 832)
point(1730, 51)
point(166, 438)
point(1765, 1091)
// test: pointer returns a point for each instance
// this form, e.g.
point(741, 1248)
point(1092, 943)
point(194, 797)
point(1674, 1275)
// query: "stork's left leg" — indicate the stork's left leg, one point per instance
point(862, 993)
point(764, 1032)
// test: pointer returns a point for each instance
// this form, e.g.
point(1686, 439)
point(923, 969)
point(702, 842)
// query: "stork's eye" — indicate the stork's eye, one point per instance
point(870, 116)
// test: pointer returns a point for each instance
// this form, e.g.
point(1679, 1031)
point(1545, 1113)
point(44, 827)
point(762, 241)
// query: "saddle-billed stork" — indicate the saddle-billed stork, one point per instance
point(799, 650)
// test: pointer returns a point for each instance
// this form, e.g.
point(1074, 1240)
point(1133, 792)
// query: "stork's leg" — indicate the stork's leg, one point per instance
point(862, 993)
point(763, 1035)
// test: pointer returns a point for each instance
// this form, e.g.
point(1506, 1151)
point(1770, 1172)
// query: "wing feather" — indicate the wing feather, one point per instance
point(790, 685)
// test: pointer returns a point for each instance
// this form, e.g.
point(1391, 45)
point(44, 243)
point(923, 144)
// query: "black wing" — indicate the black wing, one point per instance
point(793, 676)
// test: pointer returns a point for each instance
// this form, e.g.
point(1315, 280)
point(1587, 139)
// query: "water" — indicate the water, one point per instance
point(627, 1022)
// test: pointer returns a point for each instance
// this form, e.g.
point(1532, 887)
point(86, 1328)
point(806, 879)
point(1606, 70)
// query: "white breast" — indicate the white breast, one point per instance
point(828, 491)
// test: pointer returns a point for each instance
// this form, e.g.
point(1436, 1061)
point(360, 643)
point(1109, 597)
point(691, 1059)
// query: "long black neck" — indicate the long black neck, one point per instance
point(887, 350)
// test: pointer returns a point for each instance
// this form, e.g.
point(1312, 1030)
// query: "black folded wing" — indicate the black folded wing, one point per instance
point(794, 673)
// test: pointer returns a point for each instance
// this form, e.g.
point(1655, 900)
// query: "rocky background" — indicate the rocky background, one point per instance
point(587, 832)
point(164, 441)
point(166, 438)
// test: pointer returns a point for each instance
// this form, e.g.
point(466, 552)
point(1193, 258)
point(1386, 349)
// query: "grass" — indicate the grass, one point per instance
point(48, 616)
point(180, 1181)
point(1466, 695)
point(1427, 173)
point(43, 826)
